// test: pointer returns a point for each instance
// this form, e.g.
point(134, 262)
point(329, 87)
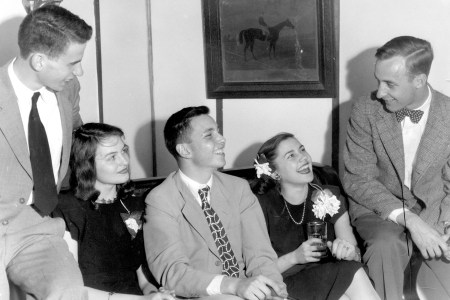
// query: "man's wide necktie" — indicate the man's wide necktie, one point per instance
point(414, 115)
point(230, 266)
point(44, 191)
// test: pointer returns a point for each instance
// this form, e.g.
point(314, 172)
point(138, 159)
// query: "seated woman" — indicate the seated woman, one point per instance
point(104, 217)
point(286, 195)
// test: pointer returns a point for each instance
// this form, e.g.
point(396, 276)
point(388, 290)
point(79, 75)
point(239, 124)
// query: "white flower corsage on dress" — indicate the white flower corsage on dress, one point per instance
point(324, 202)
point(133, 222)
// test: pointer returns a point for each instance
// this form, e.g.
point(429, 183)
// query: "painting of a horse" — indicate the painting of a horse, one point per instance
point(249, 36)
point(274, 33)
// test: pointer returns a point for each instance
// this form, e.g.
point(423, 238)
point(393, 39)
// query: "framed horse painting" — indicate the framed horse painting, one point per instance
point(269, 48)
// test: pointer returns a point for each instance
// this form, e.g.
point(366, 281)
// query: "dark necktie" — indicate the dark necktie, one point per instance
point(230, 266)
point(44, 192)
point(414, 115)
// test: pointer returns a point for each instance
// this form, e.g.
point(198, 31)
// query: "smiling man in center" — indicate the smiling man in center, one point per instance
point(205, 232)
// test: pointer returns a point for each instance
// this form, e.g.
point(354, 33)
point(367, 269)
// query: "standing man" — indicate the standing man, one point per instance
point(38, 110)
point(205, 232)
point(397, 170)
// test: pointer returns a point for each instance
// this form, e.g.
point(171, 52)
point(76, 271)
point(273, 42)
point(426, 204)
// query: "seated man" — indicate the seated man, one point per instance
point(397, 170)
point(205, 232)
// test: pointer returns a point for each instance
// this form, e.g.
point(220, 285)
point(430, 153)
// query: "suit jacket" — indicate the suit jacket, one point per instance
point(180, 249)
point(16, 179)
point(375, 164)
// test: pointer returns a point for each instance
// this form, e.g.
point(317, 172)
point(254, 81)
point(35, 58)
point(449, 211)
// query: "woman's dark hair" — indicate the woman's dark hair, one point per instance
point(267, 153)
point(82, 157)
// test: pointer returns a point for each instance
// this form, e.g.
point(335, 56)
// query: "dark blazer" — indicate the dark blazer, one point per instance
point(179, 245)
point(16, 179)
point(375, 164)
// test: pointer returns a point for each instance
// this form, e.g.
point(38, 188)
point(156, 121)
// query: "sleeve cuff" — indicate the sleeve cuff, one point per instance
point(395, 213)
point(214, 286)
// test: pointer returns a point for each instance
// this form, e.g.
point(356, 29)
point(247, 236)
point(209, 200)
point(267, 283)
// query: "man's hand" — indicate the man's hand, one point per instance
point(342, 250)
point(253, 288)
point(430, 243)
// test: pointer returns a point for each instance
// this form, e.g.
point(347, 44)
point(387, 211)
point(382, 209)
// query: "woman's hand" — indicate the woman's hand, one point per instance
point(343, 250)
point(307, 252)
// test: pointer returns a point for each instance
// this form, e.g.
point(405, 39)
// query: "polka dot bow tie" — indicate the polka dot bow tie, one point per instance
point(414, 115)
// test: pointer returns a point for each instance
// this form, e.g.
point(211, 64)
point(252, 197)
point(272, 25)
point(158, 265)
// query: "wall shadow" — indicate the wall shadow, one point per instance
point(360, 81)
point(8, 37)
point(242, 160)
point(143, 151)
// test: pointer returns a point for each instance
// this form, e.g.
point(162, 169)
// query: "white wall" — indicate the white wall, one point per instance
point(180, 81)
point(366, 25)
point(126, 77)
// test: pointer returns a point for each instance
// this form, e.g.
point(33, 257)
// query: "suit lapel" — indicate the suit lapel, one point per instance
point(391, 137)
point(219, 202)
point(11, 124)
point(194, 215)
point(434, 140)
point(64, 111)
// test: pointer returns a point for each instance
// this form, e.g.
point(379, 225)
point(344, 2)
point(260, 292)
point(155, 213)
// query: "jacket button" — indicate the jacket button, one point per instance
point(5, 222)
point(22, 200)
point(217, 263)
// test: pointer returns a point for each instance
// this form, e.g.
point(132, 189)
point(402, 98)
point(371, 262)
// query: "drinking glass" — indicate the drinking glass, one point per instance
point(318, 229)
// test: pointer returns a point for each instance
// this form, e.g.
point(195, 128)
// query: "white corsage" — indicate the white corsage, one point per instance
point(324, 203)
point(133, 222)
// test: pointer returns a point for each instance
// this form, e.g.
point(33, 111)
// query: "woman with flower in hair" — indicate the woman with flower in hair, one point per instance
point(289, 201)
point(104, 217)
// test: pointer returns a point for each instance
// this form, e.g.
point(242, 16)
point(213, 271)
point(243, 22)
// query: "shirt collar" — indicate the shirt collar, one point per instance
point(192, 184)
point(426, 105)
point(21, 90)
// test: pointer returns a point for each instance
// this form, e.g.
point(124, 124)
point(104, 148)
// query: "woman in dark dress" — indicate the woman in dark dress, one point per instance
point(289, 201)
point(104, 217)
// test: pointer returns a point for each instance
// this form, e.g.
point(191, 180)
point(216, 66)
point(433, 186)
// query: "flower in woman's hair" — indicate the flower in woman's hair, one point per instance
point(325, 203)
point(262, 169)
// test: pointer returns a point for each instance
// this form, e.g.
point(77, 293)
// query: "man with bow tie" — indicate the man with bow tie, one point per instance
point(397, 170)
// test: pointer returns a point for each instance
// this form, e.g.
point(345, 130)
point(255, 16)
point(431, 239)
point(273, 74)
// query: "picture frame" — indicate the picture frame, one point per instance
point(269, 48)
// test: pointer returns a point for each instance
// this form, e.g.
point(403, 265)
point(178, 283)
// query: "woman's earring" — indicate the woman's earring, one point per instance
point(276, 176)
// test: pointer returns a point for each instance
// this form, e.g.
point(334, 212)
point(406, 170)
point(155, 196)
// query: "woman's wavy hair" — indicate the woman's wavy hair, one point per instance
point(267, 153)
point(82, 158)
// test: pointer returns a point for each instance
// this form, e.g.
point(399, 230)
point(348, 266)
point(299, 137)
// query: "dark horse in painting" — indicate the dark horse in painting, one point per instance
point(249, 35)
point(274, 33)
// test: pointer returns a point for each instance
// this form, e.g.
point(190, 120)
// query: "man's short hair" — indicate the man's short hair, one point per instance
point(418, 53)
point(177, 128)
point(50, 29)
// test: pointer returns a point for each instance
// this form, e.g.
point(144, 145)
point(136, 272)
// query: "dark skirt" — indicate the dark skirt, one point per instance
point(322, 281)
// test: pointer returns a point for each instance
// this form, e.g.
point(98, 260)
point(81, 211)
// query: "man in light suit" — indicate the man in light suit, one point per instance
point(182, 249)
point(33, 254)
point(397, 171)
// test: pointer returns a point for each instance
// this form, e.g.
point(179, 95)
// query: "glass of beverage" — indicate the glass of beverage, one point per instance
point(318, 229)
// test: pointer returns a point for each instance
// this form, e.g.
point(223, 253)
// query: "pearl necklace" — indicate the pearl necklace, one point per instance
point(315, 186)
point(289, 213)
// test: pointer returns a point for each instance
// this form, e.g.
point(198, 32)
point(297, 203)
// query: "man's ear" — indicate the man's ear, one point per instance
point(37, 61)
point(183, 150)
point(420, 80)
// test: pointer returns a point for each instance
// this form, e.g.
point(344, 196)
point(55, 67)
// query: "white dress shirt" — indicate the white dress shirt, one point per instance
point(214, 286)
point(49, 114)
point(412, 134)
